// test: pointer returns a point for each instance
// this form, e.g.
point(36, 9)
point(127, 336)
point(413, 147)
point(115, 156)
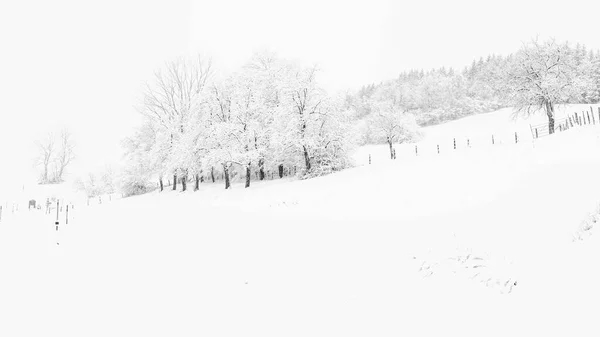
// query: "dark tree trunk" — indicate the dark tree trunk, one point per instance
point(175, 182)
point(280, 171)
point(389, 141)
point(212, 174)
point(226, 176)
point(184, 183)
point(197, 187)
point(550, 113)
point(306, 159)
point(248, 173)
point(261, 169)
point(160, 181)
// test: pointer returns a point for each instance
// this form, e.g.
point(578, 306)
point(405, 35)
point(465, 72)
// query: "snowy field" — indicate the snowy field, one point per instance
point(472, 242)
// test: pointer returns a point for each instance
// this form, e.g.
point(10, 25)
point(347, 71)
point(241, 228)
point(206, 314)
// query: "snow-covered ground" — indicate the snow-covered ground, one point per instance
point(477, 241)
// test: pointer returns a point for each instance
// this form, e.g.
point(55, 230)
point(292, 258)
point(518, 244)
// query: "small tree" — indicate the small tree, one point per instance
point(65, 155)
point(46, 149)
point(389, 121)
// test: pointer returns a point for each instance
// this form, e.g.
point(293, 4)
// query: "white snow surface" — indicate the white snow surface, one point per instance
point(426, 245)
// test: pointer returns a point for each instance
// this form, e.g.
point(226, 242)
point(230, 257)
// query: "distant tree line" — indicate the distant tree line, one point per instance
point(535, 78)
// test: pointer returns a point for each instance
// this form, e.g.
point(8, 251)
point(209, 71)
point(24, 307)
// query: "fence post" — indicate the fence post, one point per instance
point(536, 133)
point(576, 118)
point(468, 143)
point(57, 209)
point(592, 113)
point(416, 152)
point(589, 119)
point(369, 159)
point(67, 216)
point(455, 143)
point(516, 138)
point(493, 140)
point(438, 148)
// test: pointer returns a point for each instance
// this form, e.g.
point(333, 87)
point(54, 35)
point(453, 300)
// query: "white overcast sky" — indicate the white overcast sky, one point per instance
point(81, 64)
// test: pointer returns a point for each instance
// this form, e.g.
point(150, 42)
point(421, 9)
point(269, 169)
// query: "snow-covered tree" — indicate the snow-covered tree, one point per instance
point(172, 102)
point(141, 162)
point(305, 121)
point(542, 75)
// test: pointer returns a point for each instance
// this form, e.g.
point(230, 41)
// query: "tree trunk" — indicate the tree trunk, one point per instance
point(261, 169)
point(174, 182)
point(280, 171)
point(212, 174)
point(184, 183)
point(226, 176)
point(306, 159)
point(389, 141)
point(550, 113)
point(197, 187)
point(248, 173)
point(160, 181)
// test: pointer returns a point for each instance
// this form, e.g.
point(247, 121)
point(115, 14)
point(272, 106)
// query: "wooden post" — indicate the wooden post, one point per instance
point(468, 143)
point(438, 148)
point(369, 159)
point(67, 216)
point(592, 113)
point(492, 139)
point(589, 119)
point(536, 133)
point(516, 138)
point(455, 143)
point(576, 118)
point(416, 152)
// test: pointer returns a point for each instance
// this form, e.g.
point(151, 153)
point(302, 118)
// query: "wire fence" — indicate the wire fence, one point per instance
point(570, 121)
point(478, 141)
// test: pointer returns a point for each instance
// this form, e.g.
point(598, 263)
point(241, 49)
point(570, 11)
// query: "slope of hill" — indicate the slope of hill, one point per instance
point(477, 241)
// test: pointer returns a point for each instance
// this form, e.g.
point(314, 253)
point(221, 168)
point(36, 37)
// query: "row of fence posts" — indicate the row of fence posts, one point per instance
point(454, 145)
point(586, 118)
point(58, 209)
point(591, 119)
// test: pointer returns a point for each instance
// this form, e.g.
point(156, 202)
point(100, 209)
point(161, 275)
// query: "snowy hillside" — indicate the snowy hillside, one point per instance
point(477, 241)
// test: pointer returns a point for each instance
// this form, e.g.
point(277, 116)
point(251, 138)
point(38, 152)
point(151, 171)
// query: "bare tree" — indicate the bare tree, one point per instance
point(65, 155)
point(46, 148)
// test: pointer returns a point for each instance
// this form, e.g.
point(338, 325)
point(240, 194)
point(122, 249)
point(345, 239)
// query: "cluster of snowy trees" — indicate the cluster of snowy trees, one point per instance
point(272, 114)
point(55, 154)
point(268, 114)
point(96, 184)
point(540, 72)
